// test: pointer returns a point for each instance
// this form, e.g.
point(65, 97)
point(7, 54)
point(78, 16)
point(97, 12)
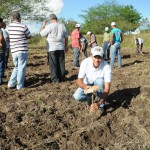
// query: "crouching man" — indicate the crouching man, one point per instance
point(94, 70)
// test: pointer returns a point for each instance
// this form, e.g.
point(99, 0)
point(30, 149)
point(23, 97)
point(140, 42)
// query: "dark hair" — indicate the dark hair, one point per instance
point(1, 20)
point(53, 17)
point(16, 15)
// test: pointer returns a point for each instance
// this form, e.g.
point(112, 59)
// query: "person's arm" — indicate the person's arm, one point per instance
point(95, 106)
point(66, 44)
point(80, 83)
point(82, 46)
point(111, 38)
point(92, 41)
point(79, 43)
point(121, 37)
point(27, 33)
point(1, 37)
point(43, 24)
point(44, 29)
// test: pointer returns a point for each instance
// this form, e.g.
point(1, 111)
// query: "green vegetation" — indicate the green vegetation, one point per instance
point(30, 9)
point(98, 17)
point(127, 43)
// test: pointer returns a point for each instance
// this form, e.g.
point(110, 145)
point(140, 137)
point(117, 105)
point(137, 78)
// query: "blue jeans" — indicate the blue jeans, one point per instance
point(80, 96)
point(115, 50)
point(106, 48)
point(76, 57)
point(2, 62)
point(2, 56)
point(19, 71)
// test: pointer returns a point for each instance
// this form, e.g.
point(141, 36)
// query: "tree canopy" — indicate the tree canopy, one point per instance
point(98, 17)
point(30, 9)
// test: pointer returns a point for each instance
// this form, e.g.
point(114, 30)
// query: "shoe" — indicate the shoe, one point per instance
point(4, 76)
point(102, 109)
point(1, 80)
point(9, 87)
point(76, 67)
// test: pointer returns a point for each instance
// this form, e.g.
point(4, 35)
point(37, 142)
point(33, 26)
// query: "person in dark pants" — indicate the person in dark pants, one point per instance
point(2, 52)
point(7, 41)
point(57, 38)
point(106, 43)
point(84, 45)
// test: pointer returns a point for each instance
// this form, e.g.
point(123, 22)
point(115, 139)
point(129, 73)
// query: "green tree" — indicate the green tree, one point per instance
point(98, 17)
point(30, 9)
point(69, 24)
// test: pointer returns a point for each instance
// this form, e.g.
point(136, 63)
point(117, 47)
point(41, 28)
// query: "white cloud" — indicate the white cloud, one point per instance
point(55, 6)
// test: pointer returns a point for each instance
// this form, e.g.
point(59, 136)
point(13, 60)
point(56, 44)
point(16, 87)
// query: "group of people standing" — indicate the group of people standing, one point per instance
point(94, 69)
point(111, 44)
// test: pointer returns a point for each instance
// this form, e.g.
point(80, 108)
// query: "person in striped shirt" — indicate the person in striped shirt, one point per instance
point(18, 34)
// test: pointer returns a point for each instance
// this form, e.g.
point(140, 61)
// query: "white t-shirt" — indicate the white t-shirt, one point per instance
point(140, 41)
point(89, 73)
point(55, 34)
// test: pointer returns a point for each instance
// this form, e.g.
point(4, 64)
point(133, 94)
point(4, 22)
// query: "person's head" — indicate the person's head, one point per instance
point(16, 16)
point(137, 41)
point(78, 26)
point(106, 29)
point(97, 55)
point(113, 24)
point(53, 18)
point(1, 22)
point(89, 33)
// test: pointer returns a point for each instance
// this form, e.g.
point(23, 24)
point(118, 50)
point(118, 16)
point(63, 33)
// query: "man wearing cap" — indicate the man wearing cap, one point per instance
point(93, 41)
point(139, 45)
point(94, 70)
point(76, 45)
point(106, 43)
point(116, 39)
point(18, 34)
point(57, 38)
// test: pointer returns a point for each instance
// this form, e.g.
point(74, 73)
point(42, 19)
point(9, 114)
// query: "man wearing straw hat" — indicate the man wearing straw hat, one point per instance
point(94, 71)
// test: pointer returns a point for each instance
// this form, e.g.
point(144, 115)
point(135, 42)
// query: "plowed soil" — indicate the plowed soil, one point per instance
point(44, 115)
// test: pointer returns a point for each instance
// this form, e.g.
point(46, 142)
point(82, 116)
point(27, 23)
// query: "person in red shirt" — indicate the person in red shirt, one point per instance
point(76, 45)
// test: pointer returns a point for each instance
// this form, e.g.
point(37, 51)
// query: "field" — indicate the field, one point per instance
point(44, 115)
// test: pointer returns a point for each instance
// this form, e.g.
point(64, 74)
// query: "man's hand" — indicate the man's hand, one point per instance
point(94, 107)
point(86, 88)
point(44, 23)
point(89, 44)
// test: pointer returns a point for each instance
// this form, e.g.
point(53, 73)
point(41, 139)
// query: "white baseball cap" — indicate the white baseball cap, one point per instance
point(78, 25)
point(113, 24)
point(97, 50)
point(89, 32)
point(106, 28)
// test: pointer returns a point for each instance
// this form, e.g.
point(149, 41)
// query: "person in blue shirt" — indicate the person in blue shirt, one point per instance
point(116, 39)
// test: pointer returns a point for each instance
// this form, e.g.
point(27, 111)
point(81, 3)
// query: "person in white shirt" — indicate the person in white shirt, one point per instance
point(139, 45)
point(94, 70)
